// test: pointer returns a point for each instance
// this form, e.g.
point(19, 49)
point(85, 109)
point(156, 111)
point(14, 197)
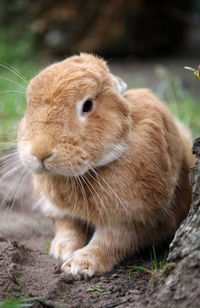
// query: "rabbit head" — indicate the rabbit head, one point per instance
point(76, 118)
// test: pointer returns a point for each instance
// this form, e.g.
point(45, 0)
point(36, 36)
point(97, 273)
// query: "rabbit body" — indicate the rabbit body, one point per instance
point(105, 160)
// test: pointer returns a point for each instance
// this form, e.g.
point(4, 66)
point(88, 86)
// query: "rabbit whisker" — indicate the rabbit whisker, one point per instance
point(6, 158)
point(9, 173)
point(10, 155)
point(110, 188)
point(5, 165)
point(5, 147)
point(84, 198)
point(86, 183)
point(13, 81)
point(8, 170)
point(14, 71)
point(11, 191)
point(74, 192)
point(23, 181)
point(11, 92)
point(101, 201)
point(7, 142)
point(16, 189)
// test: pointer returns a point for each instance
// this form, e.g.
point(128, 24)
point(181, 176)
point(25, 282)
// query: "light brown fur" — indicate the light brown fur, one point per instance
point(122, 171)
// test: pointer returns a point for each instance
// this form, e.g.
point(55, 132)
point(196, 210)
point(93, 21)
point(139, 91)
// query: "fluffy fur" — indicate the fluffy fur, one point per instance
point(119, 171)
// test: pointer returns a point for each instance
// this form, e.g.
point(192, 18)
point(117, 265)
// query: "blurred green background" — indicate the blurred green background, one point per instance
point(147, 43)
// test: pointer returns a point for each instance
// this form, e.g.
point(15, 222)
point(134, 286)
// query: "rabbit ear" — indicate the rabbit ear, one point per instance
point(119, 84)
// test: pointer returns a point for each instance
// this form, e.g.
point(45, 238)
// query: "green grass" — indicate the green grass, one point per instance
point(48, 245)
point(18, 303)
point(182, 104)
point(99, 290)
point(94, 288)
point(12, 99)
point(17, 53)
point(155, 264)
point(14, 297)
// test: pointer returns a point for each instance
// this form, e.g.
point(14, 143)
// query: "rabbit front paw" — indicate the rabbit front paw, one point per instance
point(80, 266)
point(61, 249)
point(85, 264)
point(64, 244)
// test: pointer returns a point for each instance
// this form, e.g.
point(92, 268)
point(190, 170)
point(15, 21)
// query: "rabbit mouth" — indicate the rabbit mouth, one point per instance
point(50, 167)
point(53, 161)
point(38, 167)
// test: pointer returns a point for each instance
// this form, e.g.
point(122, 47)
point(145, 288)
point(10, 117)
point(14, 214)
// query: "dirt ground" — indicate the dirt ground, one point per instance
point(26, 269)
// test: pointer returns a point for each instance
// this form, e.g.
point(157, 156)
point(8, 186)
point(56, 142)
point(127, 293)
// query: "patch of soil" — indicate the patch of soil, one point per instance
point(26, 269)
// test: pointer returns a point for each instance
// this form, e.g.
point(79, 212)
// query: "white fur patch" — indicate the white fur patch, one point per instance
point(49, 209)
point(30, 160)
point(119, 84)
point(113, 155)
point(121, 87)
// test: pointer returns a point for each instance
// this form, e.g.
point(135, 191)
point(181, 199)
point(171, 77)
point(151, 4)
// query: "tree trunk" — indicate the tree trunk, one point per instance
point(178, 284)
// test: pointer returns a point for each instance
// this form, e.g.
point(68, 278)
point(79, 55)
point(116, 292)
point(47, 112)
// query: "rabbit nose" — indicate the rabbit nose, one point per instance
point(41, 149)
point(42, 155)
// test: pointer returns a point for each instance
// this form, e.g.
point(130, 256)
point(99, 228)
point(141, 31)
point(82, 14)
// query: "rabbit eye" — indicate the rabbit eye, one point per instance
point(87, 106)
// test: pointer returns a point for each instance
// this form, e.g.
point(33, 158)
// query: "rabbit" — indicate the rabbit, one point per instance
point(109, 166)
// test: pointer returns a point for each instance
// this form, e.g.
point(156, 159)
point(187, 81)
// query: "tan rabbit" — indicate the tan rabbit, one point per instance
point(102, 160)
